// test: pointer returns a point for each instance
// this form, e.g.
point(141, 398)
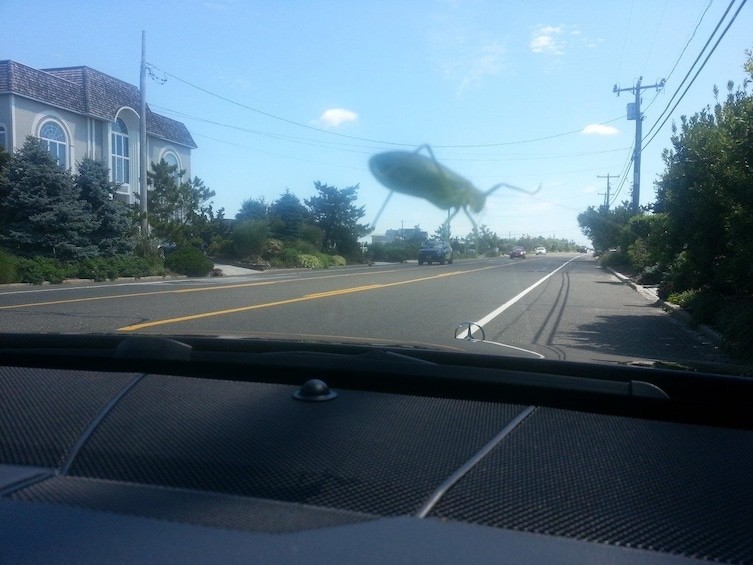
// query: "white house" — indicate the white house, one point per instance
point(80, 112)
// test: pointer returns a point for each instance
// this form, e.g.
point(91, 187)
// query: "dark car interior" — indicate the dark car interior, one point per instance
point(200, 449)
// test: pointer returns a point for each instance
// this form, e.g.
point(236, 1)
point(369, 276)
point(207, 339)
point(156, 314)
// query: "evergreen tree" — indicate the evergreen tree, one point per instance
point(42, 208)
point(256, 209)
point(287, 217)
point(4, 188)
point(178, 210)
point(114, 232)
point(335, 212)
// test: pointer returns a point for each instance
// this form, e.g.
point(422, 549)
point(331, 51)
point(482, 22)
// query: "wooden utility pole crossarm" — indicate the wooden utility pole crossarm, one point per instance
point(607, 196)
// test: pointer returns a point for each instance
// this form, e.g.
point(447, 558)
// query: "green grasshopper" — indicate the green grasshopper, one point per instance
point(414, 174)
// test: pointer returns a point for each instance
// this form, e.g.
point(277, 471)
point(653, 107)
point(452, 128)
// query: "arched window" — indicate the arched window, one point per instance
point(172, 159)
point(54, 140)
point(121, 157)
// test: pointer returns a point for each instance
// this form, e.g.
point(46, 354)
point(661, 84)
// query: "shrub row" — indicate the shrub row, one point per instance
point(290, 257)
point(38, 270)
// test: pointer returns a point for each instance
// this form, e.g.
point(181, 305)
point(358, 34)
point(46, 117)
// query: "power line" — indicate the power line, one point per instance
point(370, 140)
point(682, 52)
point(370, 149)
point(690, 70)
point(695, 30)
point(623, 176)
point(656, 33)
point(734, 17)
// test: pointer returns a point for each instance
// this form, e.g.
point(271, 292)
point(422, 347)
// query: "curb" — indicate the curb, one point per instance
point(672, 309)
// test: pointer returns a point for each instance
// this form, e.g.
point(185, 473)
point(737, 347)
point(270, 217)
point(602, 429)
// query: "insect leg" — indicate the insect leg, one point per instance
point(433, 158)
point(428, 148)
point(384, 205)
point(475, 227)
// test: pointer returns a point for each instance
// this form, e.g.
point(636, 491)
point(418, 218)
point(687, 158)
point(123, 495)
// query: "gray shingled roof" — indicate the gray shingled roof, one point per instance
point(89, 92)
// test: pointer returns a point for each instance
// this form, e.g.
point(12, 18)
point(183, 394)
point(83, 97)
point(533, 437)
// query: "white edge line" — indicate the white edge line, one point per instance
point(489, 317)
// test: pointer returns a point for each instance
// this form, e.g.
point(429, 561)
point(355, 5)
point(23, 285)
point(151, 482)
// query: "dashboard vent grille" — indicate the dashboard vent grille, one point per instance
point(629, 482)
point(365, 452)
point(44, 411)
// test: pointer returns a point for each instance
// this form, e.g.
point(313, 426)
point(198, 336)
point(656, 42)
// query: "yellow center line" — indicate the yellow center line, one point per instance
point(304, 298)
point(180, 291)
point(132, 295)
point(342, 291)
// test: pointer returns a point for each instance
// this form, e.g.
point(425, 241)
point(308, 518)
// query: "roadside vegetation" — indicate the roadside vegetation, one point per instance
point(55, 225)
point(482, 242)
point(693, 241)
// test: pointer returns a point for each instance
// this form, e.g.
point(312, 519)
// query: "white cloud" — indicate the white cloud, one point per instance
point(600, 129)
point(548, 40)
point(336, 116)
point(555, 40)
point(488, 61)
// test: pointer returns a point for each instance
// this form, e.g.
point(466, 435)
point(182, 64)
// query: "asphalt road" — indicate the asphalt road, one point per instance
point(557, 306)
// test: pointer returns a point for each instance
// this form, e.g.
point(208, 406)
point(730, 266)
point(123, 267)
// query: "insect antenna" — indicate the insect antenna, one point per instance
point(512, 187)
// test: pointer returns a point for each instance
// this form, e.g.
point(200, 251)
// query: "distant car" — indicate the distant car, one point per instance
point(436, 252)
point(541, 251)
point(518, 252)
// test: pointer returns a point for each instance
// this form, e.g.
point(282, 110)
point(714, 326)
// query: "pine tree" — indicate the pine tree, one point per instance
point(42, 208)
point(115, 231)
point(335, 212)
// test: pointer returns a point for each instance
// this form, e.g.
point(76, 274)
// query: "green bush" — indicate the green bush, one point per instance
point(309, 261)
point(221, 246)
point(273, 250)
point(736, 325)
point(29, 271)
point(614, 259)
point(37, 270)
point(306, 247)
point(640, 255)
point(189, 261)
point(703, 305)
point(8, 268)
point(96, 268)
point(250, 238)
point(137, 267)
point(683, 299)
point(40, 269)
point(288, 257)
point(338, 260)
point(651, 275)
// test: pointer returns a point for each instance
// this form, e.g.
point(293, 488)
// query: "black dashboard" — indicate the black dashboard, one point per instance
point(195, 450)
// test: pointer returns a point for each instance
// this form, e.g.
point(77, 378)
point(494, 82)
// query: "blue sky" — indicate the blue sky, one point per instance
point(281, 94)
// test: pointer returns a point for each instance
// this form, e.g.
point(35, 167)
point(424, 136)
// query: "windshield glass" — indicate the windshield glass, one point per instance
point(272, 170)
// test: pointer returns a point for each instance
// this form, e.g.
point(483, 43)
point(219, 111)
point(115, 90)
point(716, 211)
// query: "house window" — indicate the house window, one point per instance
point(54, 140)
point(172, 159)
point(121, 159)
point(3, 138)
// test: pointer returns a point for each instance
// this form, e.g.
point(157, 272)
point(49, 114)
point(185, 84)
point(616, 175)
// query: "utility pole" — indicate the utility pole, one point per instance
point(634, 113)
point(606, 197)
point(142, 142)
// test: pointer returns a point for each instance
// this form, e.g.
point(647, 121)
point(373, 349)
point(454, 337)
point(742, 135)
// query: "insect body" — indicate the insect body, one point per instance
point(409, 172)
